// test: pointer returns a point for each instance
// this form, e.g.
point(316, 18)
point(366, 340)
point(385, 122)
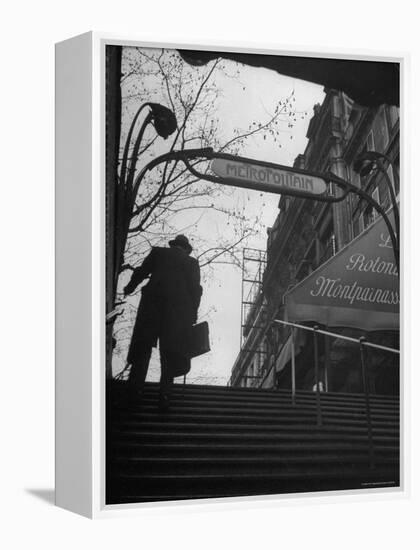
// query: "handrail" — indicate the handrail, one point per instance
point(365, 375)
point(334, 334)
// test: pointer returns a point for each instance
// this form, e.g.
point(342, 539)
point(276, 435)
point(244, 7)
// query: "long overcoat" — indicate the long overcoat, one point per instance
point(168, 305)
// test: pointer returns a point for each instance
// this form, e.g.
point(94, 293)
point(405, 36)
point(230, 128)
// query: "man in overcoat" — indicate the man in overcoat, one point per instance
point(167, 311)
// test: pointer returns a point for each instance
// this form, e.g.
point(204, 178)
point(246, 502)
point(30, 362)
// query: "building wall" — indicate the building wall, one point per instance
point(306, 233)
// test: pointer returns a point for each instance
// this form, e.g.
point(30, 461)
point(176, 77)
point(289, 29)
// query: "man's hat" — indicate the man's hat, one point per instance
point(182, 241)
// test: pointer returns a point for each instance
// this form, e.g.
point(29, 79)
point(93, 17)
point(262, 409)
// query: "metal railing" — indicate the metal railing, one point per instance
point(363, 344)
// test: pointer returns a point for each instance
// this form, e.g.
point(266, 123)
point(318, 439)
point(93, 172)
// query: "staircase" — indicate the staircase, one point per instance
point(222, 441)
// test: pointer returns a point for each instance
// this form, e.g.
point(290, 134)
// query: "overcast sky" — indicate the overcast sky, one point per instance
point(250, 96)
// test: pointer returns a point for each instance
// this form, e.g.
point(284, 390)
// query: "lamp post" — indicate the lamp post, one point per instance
point(165, 124)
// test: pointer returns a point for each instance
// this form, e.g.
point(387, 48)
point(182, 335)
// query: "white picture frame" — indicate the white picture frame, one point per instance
point(80, 274)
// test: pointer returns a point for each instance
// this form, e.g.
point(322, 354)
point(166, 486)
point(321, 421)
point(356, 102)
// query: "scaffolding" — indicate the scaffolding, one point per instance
point(253, 266)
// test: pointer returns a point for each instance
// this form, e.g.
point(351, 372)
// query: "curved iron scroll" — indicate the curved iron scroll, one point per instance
point(188, 155)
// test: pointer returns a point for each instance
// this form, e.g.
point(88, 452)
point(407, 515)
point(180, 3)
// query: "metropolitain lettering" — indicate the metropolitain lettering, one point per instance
point(263, 174)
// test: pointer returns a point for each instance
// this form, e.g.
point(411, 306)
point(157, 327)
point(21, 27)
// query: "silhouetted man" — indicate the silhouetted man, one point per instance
point(167, 311)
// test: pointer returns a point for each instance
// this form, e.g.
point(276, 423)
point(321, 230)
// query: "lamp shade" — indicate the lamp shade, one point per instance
point(164, 120)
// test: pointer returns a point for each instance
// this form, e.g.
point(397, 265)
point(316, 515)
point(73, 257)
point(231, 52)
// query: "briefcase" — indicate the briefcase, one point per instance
point(200, 342)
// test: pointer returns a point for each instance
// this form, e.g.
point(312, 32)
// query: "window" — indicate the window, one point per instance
point(394, 116)
point(370, 142)
point(356, 227)
point(327, 243)
point(380, 130)
point(361, 223)
point(396, 179)
point(368, 146)
point(347, 105)
point(368, 216)
point(355, 178)
point(384, 197)
point(375, 196)
point(308, 263)
point(390, 173)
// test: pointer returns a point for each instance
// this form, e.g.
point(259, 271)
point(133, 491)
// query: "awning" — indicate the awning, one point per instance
point(286, 352)
point(357, 288)
point(285, 355)
point(268, 381)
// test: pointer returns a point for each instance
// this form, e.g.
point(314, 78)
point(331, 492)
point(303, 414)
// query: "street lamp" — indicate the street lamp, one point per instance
point(165, 124)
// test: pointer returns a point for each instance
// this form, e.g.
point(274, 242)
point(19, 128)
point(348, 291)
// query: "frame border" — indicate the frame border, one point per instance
point(96, 407)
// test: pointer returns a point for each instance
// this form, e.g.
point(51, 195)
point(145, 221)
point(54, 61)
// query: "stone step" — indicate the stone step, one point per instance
point(250, 393)
point(332, 426)
point(169, 436)
point(136, 486)
point(150, 410)
point(246, 465)
point(258, 405)
point(220, 442)
point(225, 418)
point(208, 450)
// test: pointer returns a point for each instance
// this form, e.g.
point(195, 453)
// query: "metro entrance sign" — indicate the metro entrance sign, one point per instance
point(265, 177)
point(237, 171)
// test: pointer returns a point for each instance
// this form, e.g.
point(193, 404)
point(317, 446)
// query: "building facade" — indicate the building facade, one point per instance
point(304, 235)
